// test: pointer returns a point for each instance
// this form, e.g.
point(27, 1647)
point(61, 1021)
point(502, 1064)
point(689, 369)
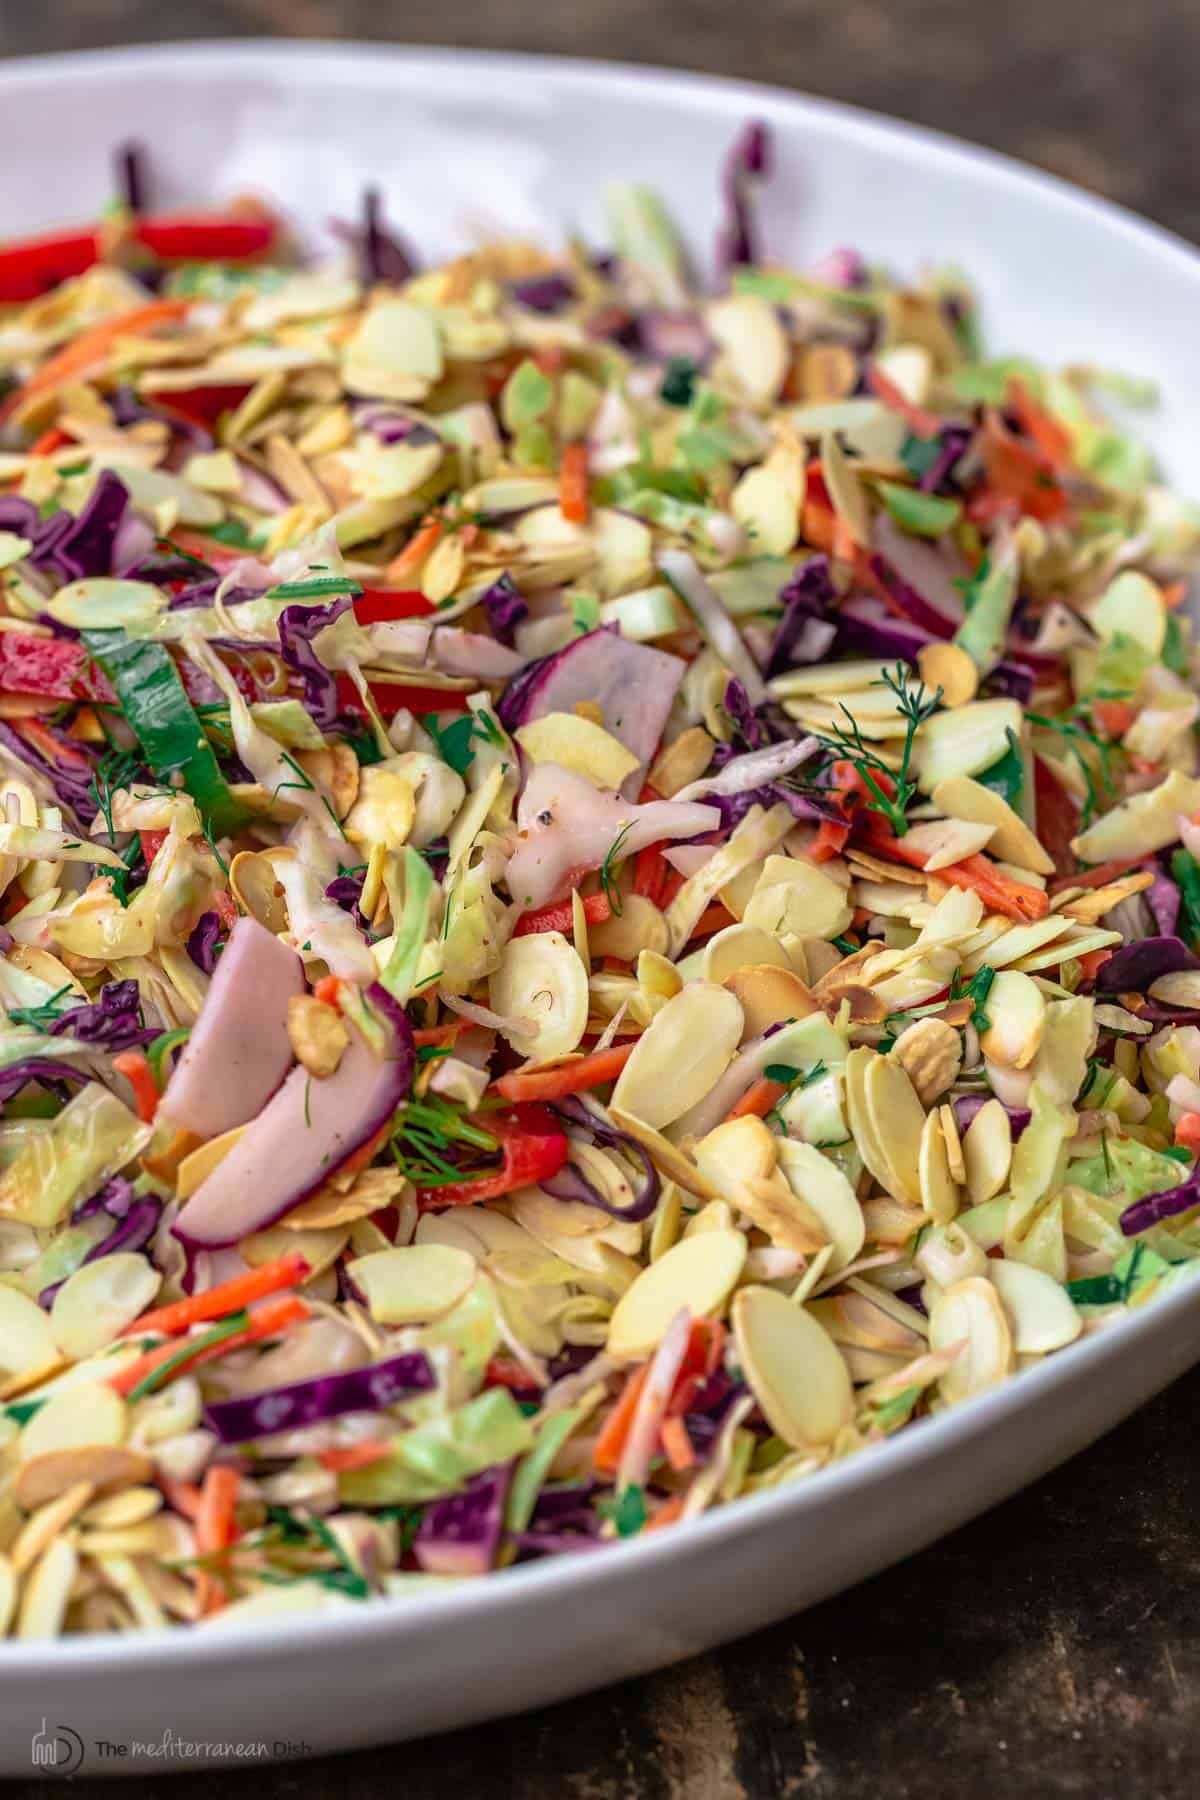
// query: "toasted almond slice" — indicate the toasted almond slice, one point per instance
point(1181, 989)
point(846, 491)
point(197, 1167)
point(961, 797)
point(683, 761)
point(954, 1149)
point(897, 1120)
point(115, 1511)
point(987, 1151)
point(1087, 907)
point(947, 666)
point(699, 1273)
point(104, 1466)
point(875, 867)
point(768, 996)
point(740, 947)
point(939, 1196)
point(971, 1310)
point(667, 1157)
point(795, 1370)
point(1042, 1314)
point(680, 1056)
point(1016, 1007)
point(861, 1123)
point(1016, 943)
point(947, 841)
point(47, 1522)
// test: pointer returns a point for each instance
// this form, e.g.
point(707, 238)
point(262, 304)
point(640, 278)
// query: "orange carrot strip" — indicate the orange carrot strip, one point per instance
point(607, 1452)
point(573, 484)
point(274, 1316)
point(1114, 717)
point(1187, 1132)
point(354, 1456)
point(132, 1064)
point(673, 1435)
point(829, 842)
point(714, 918)
point(51, 440)
point(1174, 595)
point(440, 1034)
point(757, 1100)
point(231, 1296)
point(921, 423)
point(414, 552)
point(1016, 899)
point(216, 1529)
point(83, 354)
point(183, 1496)
point(569, 1078)
point(1051, 437)
point(1093, 962)
point(667, 1514)
point(328, 989)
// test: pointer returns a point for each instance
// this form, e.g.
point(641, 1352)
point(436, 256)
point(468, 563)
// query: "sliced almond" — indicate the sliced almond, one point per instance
point(954, 1149)
point(987, 1151)
point(1042, 1314)
point(822, 1186)
point(898, 1120)
point(667, 1157)
point(948, 667)
point(104, 1467)
point(944, 842)
point(961, 797)
point(680, 1056)
point(939, 1196)
point(698, 1273)
point(47, 1522)
point(971, 1313)
point(740, 947)
point(1016, 1008)
point(793, 1367)
point(77, 1414)
point(47, 1592)
point(768, 996)
point(684, 760)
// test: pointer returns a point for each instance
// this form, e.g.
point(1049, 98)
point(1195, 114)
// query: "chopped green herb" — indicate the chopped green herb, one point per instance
point(914, 704)
point(628, 1512)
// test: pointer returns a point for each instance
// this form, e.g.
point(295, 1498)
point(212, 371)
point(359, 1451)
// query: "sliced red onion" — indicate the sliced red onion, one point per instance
point(303, 1135)
point(114, 1198)
point(260, 491)
point(923, 578)
point(460, 1535)
point(301, 1403)
point(239, 1050)
point(633, 685)
point(683, 573)
point(967, 1106)
point(37, 1068)
point(805, 632)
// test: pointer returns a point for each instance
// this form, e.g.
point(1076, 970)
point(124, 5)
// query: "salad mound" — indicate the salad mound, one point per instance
point(601, 891)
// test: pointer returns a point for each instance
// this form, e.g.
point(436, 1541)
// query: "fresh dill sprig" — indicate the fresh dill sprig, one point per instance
point(423, 1129)
point(608, 886)
point(915, 704)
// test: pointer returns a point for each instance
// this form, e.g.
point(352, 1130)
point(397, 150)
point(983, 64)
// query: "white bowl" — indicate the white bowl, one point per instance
point(459, 142)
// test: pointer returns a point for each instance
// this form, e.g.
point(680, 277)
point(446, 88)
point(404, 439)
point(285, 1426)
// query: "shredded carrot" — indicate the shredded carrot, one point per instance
point(757, 1100)
point(1114, 717)
point(922, 424)
point(677, 1445)
point(1016, 899)
point(414, 553)
point(568, 1078)
point(1098, 877)
point(354, 1456)
point(266, 1321)
point(608, 1447)
point(1187, 1132)
point(714, 918)
point(86, 352)
point(1174, 595)
point(829, 842)
point(1093, 962)
point(327, 989)
point(133, 1065)
point(51, 440)
point(573, 484)
point(182, 1496)
point(1051, 437)
point(229, 1297)
point(440, 1034)
point(667, 1514)
point(216, 1529)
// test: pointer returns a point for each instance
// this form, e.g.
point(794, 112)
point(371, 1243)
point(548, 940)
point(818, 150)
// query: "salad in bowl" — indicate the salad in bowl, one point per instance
point(601, 891)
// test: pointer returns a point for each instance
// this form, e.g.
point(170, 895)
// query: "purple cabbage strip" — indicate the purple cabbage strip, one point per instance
point(392, 425)
point(298, 626)
point(346, 891)
point(551, 293)
point(301, 1403)
point(115, 1198)
point(132, 1231)
point(954, 441)
point(86, 547)
point(573, 1111)
point(1152, 1209)
point(747, 722)
point(806, 600)
point(129, 163)
point(460, 1535)
point(749, 162)
point(70, 787)
point(382, 256)
point(114, 1021)
point(1163, 899)
point(37, 1068)
point(1133, 968)
point(204, 942)
point(966, 1106)
point(505, 607)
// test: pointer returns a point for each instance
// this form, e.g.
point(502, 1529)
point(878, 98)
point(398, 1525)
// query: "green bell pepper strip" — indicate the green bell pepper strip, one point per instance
point(152, 697)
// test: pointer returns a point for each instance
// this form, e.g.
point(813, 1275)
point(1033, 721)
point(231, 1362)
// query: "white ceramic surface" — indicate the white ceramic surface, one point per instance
point(462, 143)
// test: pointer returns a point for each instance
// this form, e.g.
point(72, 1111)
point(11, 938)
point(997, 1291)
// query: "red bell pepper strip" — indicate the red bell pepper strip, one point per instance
point(56, 666)
point(391, 697)
point(206, 237)
point(561, 917)
point(376, 606)
point(533, 1146)
point(32, 266)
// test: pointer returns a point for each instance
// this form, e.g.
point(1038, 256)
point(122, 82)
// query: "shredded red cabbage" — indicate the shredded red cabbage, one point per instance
point(298, 626)
point(748, 163)
point(302, 1403)
point(460, 1535)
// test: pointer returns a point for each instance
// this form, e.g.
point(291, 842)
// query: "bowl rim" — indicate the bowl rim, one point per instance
point(571, 1578)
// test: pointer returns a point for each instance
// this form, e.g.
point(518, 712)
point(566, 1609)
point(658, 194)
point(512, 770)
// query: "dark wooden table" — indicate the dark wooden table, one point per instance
point(1052, 1648)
